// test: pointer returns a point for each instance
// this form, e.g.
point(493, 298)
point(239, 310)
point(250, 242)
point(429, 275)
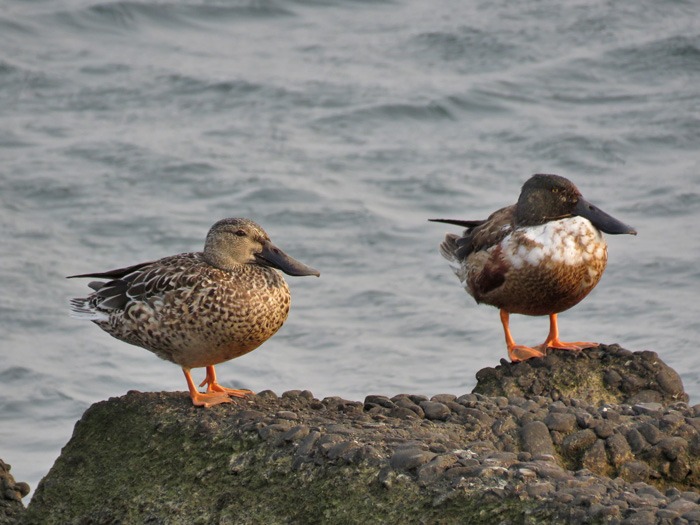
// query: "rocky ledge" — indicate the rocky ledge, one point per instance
point(604, 436)
point(11, 494)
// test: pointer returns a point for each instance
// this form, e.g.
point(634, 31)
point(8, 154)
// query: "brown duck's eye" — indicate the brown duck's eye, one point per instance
point(241, 233)
point(555, 190)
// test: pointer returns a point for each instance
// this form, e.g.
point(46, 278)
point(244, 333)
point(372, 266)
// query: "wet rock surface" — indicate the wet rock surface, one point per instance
point(521, 458)
point(11, 494)
point(608, 374)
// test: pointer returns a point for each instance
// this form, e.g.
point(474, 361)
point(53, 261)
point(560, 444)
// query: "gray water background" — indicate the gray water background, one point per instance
point(127, 128)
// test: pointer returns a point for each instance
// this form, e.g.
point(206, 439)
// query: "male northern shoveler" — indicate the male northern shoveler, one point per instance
point(198, 309)
point(540, 256)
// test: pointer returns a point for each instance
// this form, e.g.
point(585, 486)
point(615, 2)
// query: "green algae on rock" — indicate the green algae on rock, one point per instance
point(154, 458)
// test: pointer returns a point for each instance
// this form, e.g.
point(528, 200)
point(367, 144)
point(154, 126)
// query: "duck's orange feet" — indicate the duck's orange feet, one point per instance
point(554, 342)
point(213, 386)
point(577, 346)
point(522, 353)
point(517, 352)
point(203, 400)
point(209, 400)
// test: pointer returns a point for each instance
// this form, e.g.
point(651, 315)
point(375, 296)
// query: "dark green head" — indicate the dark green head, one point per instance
point(545, 198)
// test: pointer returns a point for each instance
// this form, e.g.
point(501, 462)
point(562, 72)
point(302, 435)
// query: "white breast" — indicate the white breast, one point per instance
point(572, 241)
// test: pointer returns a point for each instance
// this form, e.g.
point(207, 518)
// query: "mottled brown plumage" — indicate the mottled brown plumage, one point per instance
point(198, 309)
point(540, 256)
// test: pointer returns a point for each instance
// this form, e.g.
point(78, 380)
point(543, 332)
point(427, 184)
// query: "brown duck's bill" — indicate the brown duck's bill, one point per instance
point(272, 256)
point(601, 220)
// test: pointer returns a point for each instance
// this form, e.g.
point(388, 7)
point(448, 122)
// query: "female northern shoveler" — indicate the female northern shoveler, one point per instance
point(198, 309)
point(540, 256)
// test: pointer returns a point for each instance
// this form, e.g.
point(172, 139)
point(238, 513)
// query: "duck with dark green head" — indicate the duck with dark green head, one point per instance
point(540, 256)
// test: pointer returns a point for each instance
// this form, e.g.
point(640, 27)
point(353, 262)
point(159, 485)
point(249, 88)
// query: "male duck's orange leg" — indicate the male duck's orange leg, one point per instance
point(203, 400)
point(516, 352)
point(554, 342)
point(213, 386)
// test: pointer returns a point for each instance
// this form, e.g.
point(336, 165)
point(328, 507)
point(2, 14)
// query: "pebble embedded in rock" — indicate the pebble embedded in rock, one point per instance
point(536, 439)
point(435, 410)
point(561, 422)
point(635, 471)
point(651, 434)
point(375, 400)
point(410, 458)
point(578, 442)
point(619, 450)
point(670, 381)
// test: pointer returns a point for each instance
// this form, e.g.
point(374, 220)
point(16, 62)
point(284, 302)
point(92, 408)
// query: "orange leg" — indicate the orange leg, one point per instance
point(203, 400)
point(554, 342)
point(213, 386)
point(516, 352)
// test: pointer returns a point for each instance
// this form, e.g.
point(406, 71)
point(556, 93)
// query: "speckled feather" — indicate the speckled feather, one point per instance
point(186, 311)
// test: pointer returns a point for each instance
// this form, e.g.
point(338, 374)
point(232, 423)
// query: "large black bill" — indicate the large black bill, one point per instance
point(601, 220)
point(272, 256)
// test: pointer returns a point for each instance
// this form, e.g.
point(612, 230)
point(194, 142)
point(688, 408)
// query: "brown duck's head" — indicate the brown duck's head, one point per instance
point(237, 241)
point(545, 198)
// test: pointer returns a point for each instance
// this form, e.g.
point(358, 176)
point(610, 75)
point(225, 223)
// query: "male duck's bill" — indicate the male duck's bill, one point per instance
point(601, 220)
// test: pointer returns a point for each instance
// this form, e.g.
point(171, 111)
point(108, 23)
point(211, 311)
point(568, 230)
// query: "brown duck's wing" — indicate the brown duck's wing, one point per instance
point(143, 281)
point(113, 274)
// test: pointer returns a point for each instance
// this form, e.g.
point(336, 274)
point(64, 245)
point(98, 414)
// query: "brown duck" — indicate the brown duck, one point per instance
point(198, 309)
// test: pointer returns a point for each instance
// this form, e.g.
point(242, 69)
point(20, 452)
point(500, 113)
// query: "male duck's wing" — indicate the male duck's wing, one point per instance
point(479, 235)
point(487, 234)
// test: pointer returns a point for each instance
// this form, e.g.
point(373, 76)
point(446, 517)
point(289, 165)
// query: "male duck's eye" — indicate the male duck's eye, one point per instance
point(241, 233)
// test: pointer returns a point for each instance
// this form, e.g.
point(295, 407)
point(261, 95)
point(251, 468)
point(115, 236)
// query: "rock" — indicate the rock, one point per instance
point(382, 401)
point(435, 410)
point(561, 422)
point(651, 433)
point(607, 374)
point(11, 494)
point(410, 458)
point(619, 450)
point(536, 439)
point(635, 471)
point(577, 443)
point(541, 455)
point(595, 458)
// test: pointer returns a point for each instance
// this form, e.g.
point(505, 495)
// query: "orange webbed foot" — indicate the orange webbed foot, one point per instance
point(576, 346)
point(214, 387)
point(554, 342)
point(209, 399)
point(517, 352)
point(522, 353)
point(203, 400)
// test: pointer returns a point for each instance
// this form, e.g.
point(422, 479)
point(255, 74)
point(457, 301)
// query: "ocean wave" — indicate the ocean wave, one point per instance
point(121, 16)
